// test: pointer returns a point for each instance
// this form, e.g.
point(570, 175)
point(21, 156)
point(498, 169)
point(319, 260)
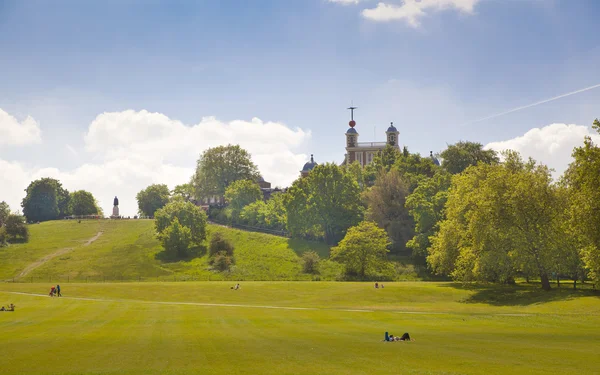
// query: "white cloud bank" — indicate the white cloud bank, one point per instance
point(345, 2)
point(551, 145)
point(132, 149)
point(411, 11)
point(13, 132)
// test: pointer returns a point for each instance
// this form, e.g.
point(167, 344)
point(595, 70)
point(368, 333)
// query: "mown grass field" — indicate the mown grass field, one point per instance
point(207, 328)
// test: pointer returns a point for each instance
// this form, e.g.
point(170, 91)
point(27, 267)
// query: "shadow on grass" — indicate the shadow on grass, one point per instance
point(193, 253)
point(520, 295)
point(300, 246)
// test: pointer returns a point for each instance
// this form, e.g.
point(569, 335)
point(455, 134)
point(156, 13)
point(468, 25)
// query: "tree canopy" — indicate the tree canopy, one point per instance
point(187, 215)
point(363, 250)
point(82, 202)
point(46, 199)
point(459, 156)
point(4, 212)
point(152, 198)
point(241, 193)
point(219, 167)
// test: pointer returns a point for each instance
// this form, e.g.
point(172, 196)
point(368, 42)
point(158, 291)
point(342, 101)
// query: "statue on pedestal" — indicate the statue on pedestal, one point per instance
point(115, 212)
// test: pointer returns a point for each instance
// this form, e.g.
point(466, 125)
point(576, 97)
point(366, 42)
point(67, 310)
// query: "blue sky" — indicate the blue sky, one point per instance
point(297, 63)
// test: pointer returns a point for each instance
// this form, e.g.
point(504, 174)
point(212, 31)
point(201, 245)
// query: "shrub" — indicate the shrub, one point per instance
point(218, 244)
point(16, 228)
point(176, 239)
point(310, 262)
point(222, 261)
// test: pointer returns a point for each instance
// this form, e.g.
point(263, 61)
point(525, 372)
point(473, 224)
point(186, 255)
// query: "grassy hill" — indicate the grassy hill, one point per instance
point(298, 328)
point(128, 250)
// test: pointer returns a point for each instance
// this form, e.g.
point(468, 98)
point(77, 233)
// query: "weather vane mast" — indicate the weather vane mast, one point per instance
point(352, 108)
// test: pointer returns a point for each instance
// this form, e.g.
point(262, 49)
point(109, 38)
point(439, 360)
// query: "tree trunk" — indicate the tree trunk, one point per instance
point(557, 281)
point(575, 284)
point(545, 281)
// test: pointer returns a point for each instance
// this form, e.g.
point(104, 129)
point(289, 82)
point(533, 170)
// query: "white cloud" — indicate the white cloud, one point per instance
point(551, 145)
point(411, 11)
point(133, 149)
point(13, 132)
point(345, 2)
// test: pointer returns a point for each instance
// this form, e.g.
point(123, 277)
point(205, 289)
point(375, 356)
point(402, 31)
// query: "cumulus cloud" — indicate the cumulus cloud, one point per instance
point(13, 132)
point(551, 144)
point(132, 149)
point(411, 11)
point(345, 2)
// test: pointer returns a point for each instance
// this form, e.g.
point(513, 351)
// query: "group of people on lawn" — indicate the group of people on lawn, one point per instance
point(10, 307)
point(55, 291)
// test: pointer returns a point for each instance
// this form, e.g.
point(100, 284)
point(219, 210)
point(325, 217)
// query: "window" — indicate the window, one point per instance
point(359, 157)
point(369, 157)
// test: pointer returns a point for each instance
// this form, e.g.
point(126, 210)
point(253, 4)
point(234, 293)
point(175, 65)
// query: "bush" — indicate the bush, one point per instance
point(222, 261)
point(218, 244)
point(16, 228)
point(176, 239)
point(310, 262)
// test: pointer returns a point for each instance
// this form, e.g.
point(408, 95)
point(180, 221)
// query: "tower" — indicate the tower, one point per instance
point(392, 136)
point(351, 137)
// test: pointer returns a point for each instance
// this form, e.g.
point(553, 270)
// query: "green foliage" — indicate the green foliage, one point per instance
point(386, 207)
point(16, 228)
point(383, 160)
point(310, 262)
point(461, 155)
point(152, 198)
point(414, 168)
point(363, 250)
point(241, 193)
point(219, 167)
point(325, 202)
point(426, 204)
point(184, 191)
point(220, 244)
point(45, 200)
point(268, 215)
point(582, 179)
point(4, 212)
point(3, 237)
point(501, 219)
point(176, 239)
point(82, 202)
point(187, 215)
point(358, 173)
point(222, 261)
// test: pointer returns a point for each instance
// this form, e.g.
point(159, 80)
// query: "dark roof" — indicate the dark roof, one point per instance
point(261, 179)
point(351, 131)
point(310, 165)
point(392, 129)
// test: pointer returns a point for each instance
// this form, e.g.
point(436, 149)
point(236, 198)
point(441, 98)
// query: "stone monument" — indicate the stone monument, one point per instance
point(115, 213)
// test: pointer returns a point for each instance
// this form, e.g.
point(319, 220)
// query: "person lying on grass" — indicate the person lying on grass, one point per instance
point(405, 337)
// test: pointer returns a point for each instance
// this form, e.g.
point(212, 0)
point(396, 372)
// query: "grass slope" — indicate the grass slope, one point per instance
point(518, 330)
point(128, 250)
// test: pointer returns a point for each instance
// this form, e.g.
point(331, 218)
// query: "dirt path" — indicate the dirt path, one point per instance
point(55, 254)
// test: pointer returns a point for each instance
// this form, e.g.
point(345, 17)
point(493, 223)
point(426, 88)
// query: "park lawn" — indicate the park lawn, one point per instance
point(458, 331)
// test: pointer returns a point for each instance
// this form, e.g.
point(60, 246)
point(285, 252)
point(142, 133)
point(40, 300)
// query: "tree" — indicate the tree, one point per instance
point(152, 198)
point(499, 219)
point(82, 202)
point(382, 160)
point(327, 200)
point(582, 179)
point(16, 228)
point(240, 194)
point(386, 207)
point(218, 244)
point(426, 206)
point(185, 191)
point(4, 212)
point(46, 199)
point(310, 262)
point(187, 215)
point(176, 239)
point(219, 167)
point(459, 156)
point(363, 250)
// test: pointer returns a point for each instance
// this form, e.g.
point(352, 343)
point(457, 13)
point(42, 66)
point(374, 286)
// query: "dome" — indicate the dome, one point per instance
point(310, 165)
point(392, 128)
point(261, 179)
point(351, 131)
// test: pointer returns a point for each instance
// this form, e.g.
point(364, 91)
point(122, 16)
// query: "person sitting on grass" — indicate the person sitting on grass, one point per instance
point(2, 309)
point(11, 307)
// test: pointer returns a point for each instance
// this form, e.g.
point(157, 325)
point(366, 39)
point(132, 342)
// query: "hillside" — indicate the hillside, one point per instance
point(128, 250)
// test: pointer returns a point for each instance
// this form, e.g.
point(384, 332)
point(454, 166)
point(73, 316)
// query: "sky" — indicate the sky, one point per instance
point(113, 96)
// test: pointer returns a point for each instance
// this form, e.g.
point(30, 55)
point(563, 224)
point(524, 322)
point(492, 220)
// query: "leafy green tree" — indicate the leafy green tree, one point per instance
point(185, 191)
point(363, 250)
point(382, 160)
point(218, 244)
point(152, 198)
point(327, 199)
point(386, 207)
point(310, 262)
point(16, 228)
point(4, 212)
point(240, 194)
point(187, 215)
point(82, 202)
point(426, 204)
point(176, 239)
point(414, 168)
point(254, 214)
point(46, 199)
point(221, 166)
point(582, 179)
point(358, 173)
point(461, 155)
point(499, 217)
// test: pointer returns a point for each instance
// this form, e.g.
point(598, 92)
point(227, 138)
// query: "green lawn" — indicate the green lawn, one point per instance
point(164, 328)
